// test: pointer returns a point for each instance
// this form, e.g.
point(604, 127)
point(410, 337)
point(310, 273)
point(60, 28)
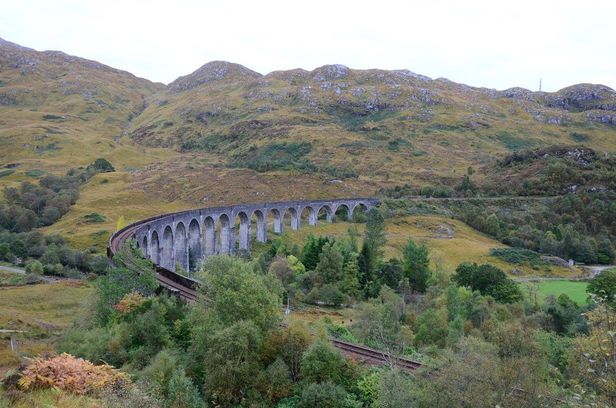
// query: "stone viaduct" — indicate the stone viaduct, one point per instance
point(185, 238)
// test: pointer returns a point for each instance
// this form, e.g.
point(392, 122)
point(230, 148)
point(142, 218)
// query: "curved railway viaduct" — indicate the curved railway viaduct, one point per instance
point(170, 239)
point(187, 237)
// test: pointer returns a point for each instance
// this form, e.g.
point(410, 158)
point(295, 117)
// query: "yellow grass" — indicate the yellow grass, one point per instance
point(111, 195)
point(43, 311)
point(49, 398)
point(451, 242)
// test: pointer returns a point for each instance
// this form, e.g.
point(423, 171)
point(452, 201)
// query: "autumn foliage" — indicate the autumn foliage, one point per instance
point(71, 374)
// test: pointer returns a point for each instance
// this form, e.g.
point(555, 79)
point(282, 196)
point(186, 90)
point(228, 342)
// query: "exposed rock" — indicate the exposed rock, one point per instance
point(212, 72)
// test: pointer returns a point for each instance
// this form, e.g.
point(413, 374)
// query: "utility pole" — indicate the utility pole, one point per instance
point(539, 84)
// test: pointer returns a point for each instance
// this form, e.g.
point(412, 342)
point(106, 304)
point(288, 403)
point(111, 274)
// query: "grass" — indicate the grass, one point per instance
point(49, 398)
point(17, 279)
point(576, 290)
point(43, 311)
point(451, 242)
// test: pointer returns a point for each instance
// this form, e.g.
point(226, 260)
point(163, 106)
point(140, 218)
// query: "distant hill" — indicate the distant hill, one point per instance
point(394, 124)
point(225, 133)
point(57, 107)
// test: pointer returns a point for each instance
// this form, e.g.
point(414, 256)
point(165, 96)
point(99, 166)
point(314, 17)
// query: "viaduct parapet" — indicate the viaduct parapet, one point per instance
point(185, 238)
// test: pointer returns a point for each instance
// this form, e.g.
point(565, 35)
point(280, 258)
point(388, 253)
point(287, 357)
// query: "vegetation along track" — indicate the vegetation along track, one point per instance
point(186, 289)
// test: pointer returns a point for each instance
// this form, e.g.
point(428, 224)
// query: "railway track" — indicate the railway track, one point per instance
point(186, 289)
point(372, 356)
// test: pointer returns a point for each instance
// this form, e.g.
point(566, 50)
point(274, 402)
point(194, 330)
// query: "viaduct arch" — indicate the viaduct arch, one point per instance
point(185, 238)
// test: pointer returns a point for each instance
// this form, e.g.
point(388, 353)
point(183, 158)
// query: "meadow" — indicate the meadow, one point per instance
point(576, 290)
point(43, 312)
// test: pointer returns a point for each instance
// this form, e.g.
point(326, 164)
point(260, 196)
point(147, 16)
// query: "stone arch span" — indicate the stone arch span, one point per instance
point(167, 259)
point(187, 237)
point(194, 244)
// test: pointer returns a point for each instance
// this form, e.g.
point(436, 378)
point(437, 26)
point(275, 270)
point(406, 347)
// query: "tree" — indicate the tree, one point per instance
point(330, 266)
point(231, 363)
point(181, 392)
point(395, 390)
point(121, 223)
point(593, 357)
point(281, 269)
point(489, 280)
point(415, 261)
point(311, 251)
point(277, 380)
point(321, 362)
point(34, 267)
point(492, 225)
point(101, 165)
point(604, 286)
point(605, 252)
point(233, 292)
point(119, 281)
point(350, 273)
point(323, 395)
point(392, 272)
point(374, 235)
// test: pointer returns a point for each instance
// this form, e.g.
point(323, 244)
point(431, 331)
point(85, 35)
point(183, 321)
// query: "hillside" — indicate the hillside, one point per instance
point(225, 133)
point(383, 125)
point(58, 111)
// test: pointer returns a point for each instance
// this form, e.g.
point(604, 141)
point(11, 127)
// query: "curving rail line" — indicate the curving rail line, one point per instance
point(186, 289)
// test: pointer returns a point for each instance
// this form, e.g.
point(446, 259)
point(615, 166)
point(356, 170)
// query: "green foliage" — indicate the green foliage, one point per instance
point(438, 191)
point(231, 363)
point(6, 172)
point(278, 156)
point(181, 392)
point(392, 272)
point(603, 286)
point(330, 266)
point(233, 292)
point(117, 282)
point(34, 267)
point(94, 218)
point(489, 280)
point(277, 380)
point(101, 165)
point(518, 256)
point(416, 265)
point(321, 362)
point(312, 250)
point(513, 142)
point(30, 206)
point(395, 390)
point(324, 395)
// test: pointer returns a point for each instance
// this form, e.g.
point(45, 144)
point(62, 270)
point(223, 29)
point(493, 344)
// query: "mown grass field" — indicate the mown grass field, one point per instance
point(43, 311)
point(576, 290)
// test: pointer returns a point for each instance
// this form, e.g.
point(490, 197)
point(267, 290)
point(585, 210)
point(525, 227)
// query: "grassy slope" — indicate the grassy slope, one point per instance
point(466, 245)
point(111, 195)
point(44, 311)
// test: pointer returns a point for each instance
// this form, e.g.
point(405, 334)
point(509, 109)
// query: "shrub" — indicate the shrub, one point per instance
point(278, 156)
point(101, 166)
point(518, 256)
point(34, 267)
point(71, 374)
point(323, 395)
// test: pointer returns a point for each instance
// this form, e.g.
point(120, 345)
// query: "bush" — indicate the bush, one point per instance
point(34, 267)
point(71, 374)
point(323, 395)
point(518, 256)
point(489, 280)
point(278, 156)
point(101, 166)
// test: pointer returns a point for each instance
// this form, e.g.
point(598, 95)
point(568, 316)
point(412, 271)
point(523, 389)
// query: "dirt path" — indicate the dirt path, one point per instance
point(11, 269)
point(592, 271)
